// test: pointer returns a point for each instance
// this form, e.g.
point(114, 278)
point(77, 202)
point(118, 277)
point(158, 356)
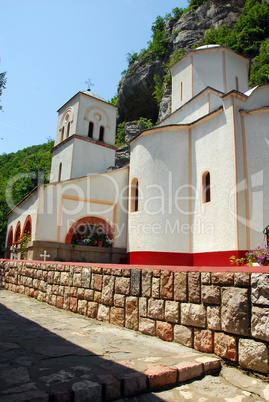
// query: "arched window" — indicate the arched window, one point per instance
point(62, 135)
point(10, 237)
point(17, 232)
point(181, 91)
point(134, 195)
point(60, 171)
point(206, 187)
point(101, 133)
point(28, 226)
point(68, 130)
point(90, 131)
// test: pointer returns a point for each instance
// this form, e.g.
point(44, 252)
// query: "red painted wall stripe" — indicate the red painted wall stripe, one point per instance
point(210, 259)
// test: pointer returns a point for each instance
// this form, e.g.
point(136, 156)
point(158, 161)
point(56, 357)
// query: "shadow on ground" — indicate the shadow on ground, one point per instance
point(38, 364)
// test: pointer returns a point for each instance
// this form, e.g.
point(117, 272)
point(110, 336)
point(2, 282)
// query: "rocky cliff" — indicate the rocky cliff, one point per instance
point(135, 93)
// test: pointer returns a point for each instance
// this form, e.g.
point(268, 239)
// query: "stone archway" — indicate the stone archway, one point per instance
point(89, 220)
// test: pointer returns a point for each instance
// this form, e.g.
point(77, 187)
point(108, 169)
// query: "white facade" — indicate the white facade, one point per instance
point(196, 189)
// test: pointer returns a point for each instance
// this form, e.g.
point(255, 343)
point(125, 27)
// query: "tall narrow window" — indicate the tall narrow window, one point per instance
point(68, 130)
point(134, 195)
point(101, 133)
point(62, 136)
point(60, 172)
point(206, 196)
point(236, 84)
point(90, 131)
point(181, 91)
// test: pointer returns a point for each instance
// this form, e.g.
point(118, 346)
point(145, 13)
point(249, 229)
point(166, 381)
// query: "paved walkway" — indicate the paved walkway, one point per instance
point(47, 354)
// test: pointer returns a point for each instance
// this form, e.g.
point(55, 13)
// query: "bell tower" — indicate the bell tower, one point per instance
point(85, 137)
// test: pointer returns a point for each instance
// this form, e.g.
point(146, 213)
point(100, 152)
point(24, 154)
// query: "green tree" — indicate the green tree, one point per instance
point(260, 66)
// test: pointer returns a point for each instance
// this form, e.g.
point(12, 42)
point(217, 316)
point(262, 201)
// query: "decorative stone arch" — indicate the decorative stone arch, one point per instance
point(89, 220)
point(67, 116)
point(27, 227)
point(101, 111)
point(17, 232)
point(10, 237)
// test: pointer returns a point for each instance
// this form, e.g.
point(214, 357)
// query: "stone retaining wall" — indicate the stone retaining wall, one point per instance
point(226, 313)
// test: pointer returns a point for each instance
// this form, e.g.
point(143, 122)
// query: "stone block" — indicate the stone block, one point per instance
point(122, 285)
point(260, 323)
point(80, 293)
point(253, 355)
point(97, 270)
point(59, 302)
point(143, 306)
point(92, 309)
point(86, 277)
point(108, 289)
point(210, 294)
point(135, 282)
point(82, 307)
point(222, 278)
point(167, 285)
point(183, 335)
point(225, 346)
point(134, 383)
point(119, 300)
point(156, 309)
point(156, 287)
point(103, 313)
point(180, 286)
point(189, 370)
point(213, 318)
point(73, 304)
point(160, 376)
point(131, 313)
point(126, 272)
point(205, 278)
point(211, 364)
point(241, 279)
point(117, 316)
point(111, 386)
point(89, 294)
point(146, 283)
point(164, 331)
point(96, 282)
point(193, 315)
point(77, 280)
point(203, 340)
point(147, 326)
point(172, 311)
point(194, 287)
point(65, 279)
point(87, 391)
point(97, 296)
point(235, 311)
point(260, 289)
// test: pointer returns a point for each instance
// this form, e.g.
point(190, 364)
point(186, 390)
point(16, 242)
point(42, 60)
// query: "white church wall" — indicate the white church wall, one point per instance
point(203, 104)
point(213, 222)
point(62, 155)
point(159, 161)
point(181, 83)
point(89, 157)
point(257, 151)
point(103, 195)
point(236, 72)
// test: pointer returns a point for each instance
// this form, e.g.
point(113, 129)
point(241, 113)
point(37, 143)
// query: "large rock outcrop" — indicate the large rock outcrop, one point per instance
point(135, 93)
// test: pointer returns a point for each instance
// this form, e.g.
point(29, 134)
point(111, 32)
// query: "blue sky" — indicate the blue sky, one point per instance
point(50, 48)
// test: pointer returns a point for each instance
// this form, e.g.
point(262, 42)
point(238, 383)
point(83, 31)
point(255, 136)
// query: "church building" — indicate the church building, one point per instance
point(194, 193)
